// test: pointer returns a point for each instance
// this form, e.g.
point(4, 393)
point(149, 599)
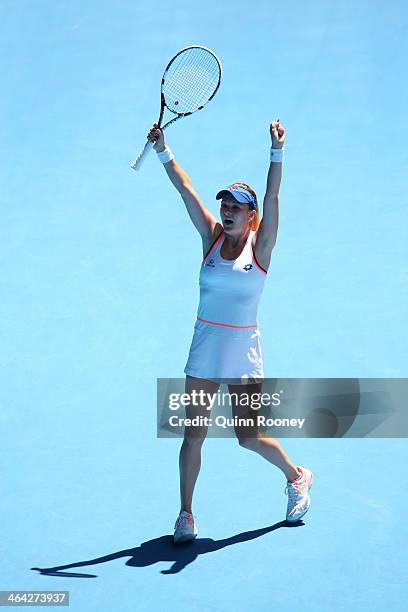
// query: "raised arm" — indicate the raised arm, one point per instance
point(202, 218)
point(268, 227)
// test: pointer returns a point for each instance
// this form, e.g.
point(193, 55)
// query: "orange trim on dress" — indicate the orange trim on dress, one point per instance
point(258, 266)
point(226, 325)
point(214, 244)
point(255, 262)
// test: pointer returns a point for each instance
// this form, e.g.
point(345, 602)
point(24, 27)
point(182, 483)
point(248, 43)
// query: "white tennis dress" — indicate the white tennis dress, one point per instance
point(226, 343)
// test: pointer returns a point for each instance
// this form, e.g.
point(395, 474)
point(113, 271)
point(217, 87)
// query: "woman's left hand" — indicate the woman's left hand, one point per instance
point(277, 134)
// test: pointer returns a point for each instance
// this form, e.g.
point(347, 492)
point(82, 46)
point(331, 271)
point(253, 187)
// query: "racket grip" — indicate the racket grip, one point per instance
point(140, 158)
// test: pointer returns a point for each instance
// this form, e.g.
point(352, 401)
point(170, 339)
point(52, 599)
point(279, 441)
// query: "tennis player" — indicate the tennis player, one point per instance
point(226, 342)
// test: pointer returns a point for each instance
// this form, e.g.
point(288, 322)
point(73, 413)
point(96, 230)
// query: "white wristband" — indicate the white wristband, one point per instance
point(165, 156)
point(276, 155)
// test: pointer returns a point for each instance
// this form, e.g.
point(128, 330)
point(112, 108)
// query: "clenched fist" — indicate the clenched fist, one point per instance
point(277, 134)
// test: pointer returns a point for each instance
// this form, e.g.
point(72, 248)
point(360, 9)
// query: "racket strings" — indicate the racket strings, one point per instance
point(191, 88)
point(191, 80)
point(181, 96)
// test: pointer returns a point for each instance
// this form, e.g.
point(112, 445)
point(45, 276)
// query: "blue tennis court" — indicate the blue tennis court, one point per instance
point(99, 277)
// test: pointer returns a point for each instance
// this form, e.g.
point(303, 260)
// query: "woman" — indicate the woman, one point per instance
point(226, 342)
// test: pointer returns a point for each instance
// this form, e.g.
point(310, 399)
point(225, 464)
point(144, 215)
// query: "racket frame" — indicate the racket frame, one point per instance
point(149, 145)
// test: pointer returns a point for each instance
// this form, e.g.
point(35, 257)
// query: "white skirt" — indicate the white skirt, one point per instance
point(225, 354)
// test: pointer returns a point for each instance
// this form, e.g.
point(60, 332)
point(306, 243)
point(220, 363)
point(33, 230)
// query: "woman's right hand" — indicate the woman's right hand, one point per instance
point(156, 136)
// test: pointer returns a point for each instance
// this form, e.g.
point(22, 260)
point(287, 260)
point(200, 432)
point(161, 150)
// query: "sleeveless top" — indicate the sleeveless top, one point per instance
point(230, 290)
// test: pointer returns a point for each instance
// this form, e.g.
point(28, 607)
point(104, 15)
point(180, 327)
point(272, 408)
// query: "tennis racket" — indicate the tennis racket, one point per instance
point(190, 81)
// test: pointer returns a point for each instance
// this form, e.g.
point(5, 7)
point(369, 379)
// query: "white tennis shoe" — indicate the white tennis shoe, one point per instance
point(298, 495)
point(185, 528)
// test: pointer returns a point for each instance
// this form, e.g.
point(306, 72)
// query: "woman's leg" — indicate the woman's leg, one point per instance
point(251, 438)
point(190, 452)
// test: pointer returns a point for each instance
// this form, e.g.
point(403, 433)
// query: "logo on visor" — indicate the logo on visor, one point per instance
point(237, 187)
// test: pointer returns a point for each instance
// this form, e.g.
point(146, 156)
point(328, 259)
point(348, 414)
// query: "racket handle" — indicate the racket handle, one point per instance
point(140, 158)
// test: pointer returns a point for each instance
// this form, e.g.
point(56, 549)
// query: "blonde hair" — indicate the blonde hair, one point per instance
point(254, 224)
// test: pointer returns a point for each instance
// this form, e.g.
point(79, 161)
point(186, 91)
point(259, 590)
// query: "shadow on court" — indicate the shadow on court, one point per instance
point(163, 549)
